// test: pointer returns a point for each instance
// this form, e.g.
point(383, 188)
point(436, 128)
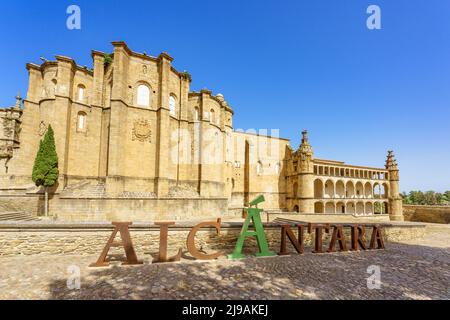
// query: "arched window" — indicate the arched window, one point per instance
point(81, 122)
point(277, 168)
point(196, 114)
point(81, 93)
point(259, 168)
point(212, 116)
point(172, 105)
point(143, 95)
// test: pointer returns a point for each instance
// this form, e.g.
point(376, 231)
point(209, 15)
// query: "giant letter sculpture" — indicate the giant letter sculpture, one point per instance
point(191, 241)
point(122, 228)
point(253, 214)
point(163, 234)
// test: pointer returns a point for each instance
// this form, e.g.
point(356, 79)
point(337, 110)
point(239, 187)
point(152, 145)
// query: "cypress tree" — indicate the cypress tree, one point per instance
point(45, 169)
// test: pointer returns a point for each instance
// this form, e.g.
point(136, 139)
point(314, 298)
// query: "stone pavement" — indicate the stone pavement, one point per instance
point(411, 270)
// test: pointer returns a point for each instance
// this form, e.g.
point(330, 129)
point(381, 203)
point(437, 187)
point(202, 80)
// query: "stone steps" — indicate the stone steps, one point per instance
point(85, 190)
point(17, 216)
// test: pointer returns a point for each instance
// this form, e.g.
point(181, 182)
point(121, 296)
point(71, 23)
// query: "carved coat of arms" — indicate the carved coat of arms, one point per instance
point(142, 131)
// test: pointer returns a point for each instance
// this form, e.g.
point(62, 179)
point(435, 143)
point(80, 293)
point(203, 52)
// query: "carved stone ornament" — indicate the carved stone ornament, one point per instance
point(142, 131)
point(42, 128)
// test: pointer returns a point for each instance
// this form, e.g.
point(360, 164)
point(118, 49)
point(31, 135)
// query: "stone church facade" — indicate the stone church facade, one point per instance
point(135, 143)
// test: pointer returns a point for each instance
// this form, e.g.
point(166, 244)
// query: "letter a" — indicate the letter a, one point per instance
point(122, 228)
point(253, 214)
point(374, 20)
point(377, 238)
point(74, 20)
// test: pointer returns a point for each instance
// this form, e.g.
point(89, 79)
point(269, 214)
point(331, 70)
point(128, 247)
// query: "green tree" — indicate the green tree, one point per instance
point(45, 169)
point(447, 196)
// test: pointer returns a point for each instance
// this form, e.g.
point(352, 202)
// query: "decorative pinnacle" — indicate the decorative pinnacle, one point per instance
point(391, 162)
point(18, 100)
point(305, 147)
point(304, 136)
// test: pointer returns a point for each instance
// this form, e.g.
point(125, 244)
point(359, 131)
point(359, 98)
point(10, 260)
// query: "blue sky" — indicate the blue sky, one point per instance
point(287, 65)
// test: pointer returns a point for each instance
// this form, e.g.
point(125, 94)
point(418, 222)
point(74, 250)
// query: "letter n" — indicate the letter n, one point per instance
point(297, 243)
point(126, 243)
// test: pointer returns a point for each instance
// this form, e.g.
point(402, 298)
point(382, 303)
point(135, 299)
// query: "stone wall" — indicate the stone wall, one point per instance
point(89, 239)
point(431, 214)
point(119, 209)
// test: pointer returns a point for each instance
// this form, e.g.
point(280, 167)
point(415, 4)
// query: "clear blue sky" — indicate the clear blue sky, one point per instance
point(280, 64)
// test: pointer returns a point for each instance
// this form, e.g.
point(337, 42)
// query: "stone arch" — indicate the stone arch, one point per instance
point(359, 190)
point(329, 189)
point(349, 189)
point(360, 208)
point(385, 190)
point(377, 190)
point(330, 207)
point(259, 168)
point(318, 207)
point(143, 94)
point(212, 116)
point(277, 168)
point(340, 207)
point(318, 189)
point(350, 208)
point(81, 121)
point(369, 208)
point(81, 93)
point(368, 191)
point(296, 209)
point(196, 114)
point(340, 189)
point(378, 208)
point(172, 104)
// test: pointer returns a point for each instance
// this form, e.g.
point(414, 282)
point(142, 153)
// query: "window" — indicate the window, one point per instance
point(172, 105)
point(80, 94)
point(259, 169)
point(81, 122)
point(143, 95)
point(196, 114)
point(212, 116)
point(277, 168)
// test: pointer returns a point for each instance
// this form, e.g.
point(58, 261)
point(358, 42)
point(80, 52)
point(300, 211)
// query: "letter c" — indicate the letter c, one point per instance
point(191, 241)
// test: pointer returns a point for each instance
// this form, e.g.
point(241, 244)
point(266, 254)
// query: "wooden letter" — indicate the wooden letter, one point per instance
point(122, 228)
point(297, 243)
point(319, 228)
point(191, 241)
point(164, 231)
point(338, 235)
point(358, 237)
point(377, 237)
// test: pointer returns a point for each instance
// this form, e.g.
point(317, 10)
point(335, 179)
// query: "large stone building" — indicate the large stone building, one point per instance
point(135, 143)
